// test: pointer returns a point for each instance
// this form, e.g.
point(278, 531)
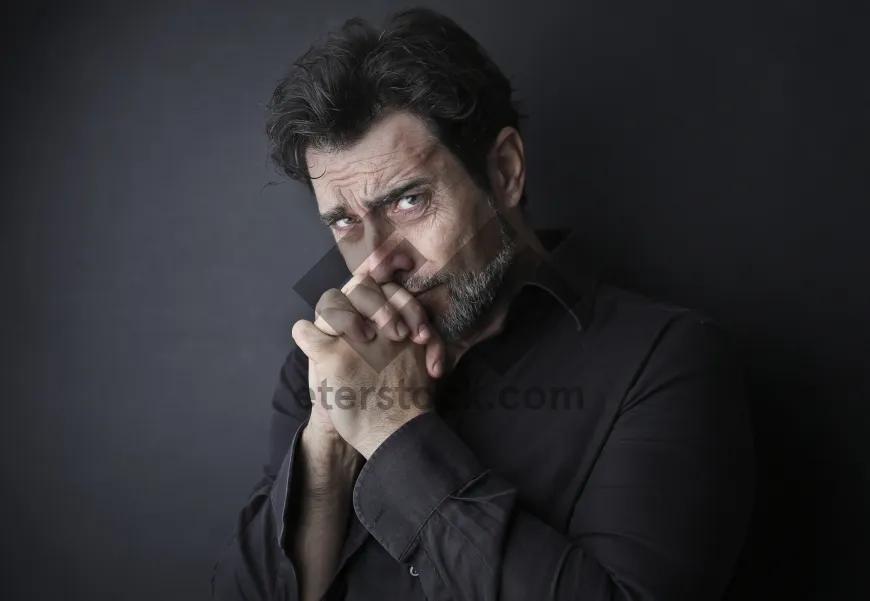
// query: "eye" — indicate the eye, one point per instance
point(409, 202)
point(343, 223)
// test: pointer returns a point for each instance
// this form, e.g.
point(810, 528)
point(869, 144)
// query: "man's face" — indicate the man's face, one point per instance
point(403, 209)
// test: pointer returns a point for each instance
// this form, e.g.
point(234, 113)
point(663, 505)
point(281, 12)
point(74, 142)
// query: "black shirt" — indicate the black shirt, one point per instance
point(598, 448)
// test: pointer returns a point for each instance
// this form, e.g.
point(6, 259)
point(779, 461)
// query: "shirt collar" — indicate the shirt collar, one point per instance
point(563, 275)
point(559, 282)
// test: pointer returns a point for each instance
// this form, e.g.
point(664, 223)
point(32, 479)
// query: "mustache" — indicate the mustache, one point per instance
point(417, 283)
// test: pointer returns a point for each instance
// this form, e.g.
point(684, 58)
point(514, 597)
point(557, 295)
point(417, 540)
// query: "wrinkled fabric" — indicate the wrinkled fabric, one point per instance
point(598, 448)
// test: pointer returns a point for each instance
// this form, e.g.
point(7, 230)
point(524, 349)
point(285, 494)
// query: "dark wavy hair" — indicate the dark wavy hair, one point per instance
point(421, 62)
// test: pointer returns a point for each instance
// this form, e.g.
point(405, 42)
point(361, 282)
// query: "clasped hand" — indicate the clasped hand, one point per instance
point(372, 360)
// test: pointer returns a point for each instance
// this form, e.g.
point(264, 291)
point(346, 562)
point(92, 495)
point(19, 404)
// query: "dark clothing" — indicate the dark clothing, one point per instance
point(598, 448)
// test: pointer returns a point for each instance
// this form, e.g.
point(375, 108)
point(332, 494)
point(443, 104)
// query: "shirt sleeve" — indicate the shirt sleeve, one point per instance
point(255, 563)
point(662, 516)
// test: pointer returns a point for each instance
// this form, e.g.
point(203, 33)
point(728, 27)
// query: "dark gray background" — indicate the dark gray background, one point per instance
point(711, 153)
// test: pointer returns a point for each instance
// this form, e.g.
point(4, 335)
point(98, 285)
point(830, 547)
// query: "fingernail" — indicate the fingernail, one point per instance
point(422, 331)
point(436, 367)
point(402, 329)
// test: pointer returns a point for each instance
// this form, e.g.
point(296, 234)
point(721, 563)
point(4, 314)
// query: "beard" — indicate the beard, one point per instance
point(470, 293)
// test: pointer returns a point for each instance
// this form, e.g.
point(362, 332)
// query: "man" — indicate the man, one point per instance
point(470, 416)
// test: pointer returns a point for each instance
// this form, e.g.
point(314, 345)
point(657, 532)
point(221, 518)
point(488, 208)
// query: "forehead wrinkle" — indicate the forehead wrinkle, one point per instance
point(343, 180)
point(410, 167)
point(342, 187)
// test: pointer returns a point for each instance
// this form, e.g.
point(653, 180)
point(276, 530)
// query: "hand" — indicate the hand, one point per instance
point(387, 308)
point(383, 373)
point(320, 424)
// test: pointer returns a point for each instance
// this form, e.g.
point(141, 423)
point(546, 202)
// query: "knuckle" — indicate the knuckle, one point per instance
point(352, 283)
point(329, 318)
point(330, 298)
point(332, 295)
point(387, 313)
point(358, 278)
point(391, 288)
point(368, 281)
point(388, 307)
point(298, 330)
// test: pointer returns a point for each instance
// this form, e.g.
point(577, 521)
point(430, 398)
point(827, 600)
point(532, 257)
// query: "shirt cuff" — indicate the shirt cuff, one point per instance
point(407, 477)
point(281, 495)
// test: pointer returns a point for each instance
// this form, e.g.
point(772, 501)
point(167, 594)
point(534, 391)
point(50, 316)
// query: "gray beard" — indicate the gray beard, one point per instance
point(470, 293)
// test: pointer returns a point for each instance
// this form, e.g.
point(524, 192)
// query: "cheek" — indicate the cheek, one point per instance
point(429, 247)
point(441, 239)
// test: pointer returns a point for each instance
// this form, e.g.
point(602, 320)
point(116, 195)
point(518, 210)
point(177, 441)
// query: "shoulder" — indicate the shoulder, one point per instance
point(621, 314)
point(633, 336)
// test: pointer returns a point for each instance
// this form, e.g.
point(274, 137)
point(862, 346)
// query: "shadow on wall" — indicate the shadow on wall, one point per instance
point(802, 542)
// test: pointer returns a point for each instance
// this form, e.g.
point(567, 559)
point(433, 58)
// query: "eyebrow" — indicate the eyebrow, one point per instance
point(330, 216)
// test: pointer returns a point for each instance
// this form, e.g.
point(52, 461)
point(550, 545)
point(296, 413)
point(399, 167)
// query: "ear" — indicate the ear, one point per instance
point(507, 168)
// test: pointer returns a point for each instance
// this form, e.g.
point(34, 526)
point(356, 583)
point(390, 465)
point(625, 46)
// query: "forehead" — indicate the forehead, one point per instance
point(396, 148)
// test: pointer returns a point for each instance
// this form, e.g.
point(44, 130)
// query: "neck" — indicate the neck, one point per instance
point(529, 254)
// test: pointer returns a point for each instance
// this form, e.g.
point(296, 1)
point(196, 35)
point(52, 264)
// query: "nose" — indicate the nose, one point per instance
point(383, 252)
point(396, 259)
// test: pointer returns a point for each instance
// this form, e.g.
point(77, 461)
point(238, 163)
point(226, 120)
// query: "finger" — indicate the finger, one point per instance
point(435, 356)
point(410, 309)
point(313, 341)
point(415, 316)
point(340, 322)
point(368, 299)
point(336, 316)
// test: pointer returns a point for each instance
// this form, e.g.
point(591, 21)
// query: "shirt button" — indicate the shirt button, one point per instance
point(413, 571)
